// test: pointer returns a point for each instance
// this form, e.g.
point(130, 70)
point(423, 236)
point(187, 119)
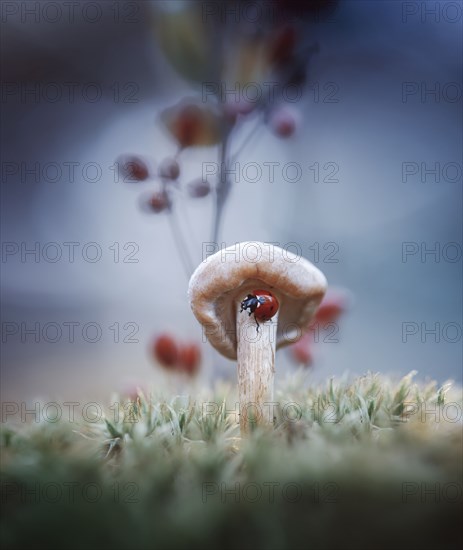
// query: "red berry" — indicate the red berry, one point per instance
point(158, 202)
point(301, 352)
point(282, 46)
point(169, 169)
point(133, 168)
point(199, 188)
point(302, 356)
point(193, 124)
point(283, 122)
point(165, 351)
point(188, 125)
point(190, 358)
point(332, 306)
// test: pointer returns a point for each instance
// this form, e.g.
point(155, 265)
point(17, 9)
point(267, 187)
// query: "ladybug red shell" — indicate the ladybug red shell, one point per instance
point(262, 303)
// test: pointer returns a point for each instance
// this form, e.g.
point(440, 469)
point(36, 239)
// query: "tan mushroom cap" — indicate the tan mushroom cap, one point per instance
point(224, 279)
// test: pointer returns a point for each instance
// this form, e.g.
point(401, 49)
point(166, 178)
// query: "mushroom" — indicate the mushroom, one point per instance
point(219, 291)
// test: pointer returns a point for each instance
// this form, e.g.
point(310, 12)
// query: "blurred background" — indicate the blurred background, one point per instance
point(377, 206)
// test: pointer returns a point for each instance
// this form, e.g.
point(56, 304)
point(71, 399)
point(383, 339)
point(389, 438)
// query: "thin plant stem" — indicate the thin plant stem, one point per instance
point(180, 243)
point(222, 189)
point(245, 142)
point(223, 185)
point(185, 215)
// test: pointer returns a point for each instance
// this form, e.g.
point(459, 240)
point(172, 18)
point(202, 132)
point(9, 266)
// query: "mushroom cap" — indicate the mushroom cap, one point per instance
point(224, 279)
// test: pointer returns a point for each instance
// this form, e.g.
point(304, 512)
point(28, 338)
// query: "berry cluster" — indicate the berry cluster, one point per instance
point(136, 169)
point(175, 356)
point(229, 53)
point(334, 304)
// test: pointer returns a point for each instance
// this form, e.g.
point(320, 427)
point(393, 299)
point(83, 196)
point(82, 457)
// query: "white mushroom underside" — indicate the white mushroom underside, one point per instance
point(225, 279)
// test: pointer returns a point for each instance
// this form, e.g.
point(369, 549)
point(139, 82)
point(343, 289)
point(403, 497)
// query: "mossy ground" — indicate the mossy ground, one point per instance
point(362, 464)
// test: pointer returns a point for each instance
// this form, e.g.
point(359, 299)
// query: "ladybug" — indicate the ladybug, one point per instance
point(262, 303)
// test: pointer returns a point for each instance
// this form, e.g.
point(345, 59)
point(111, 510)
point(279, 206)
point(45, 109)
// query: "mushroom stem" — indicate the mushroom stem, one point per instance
point(256, 369)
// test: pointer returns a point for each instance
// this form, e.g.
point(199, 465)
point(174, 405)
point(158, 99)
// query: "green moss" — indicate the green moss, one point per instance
point(362, 464)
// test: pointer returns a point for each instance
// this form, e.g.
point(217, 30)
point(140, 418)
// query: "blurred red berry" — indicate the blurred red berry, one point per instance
point(165, 351)
point(283, 122)
point(133, 168)
point(187, 125)
point(169, 168)
point(331, 308)
point(190, 358)
point(199, 188)
point(158, 202)
point(192, 123)
point(282, 45)
point(301, 351)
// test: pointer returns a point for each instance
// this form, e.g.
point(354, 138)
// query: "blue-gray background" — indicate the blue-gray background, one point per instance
point(369, 49)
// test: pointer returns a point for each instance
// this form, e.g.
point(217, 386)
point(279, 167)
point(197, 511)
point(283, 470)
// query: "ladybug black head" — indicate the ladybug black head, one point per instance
point(251, 302)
